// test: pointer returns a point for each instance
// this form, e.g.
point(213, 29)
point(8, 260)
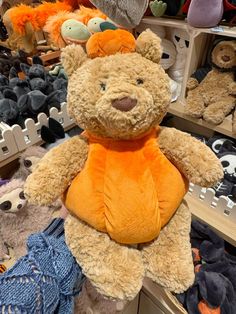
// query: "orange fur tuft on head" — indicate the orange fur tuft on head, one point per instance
point(86, 14)
point(19, 16)
point(53, 27)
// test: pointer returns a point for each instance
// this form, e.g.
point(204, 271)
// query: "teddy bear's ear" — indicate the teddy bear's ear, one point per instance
point(72, 57)
point(149, 46)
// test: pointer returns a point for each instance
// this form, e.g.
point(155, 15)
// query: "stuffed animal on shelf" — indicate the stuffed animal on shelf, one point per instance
point(203, 13)
point(18, 218)
point(123, 180)
point(214, 98)
point(180, 38)
point(225, 150)
point(66, 28)
point(23, 21)
point(214, 289)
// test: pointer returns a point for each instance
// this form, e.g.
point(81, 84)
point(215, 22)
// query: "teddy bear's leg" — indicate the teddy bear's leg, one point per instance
point(195, 104)
point(168, 259)
point(216, 112)
point(115, 270)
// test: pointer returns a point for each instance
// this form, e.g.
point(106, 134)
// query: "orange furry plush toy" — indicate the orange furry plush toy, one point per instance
point(64, 27)
point(23, 21)
point(109, 43)
point(22, 14)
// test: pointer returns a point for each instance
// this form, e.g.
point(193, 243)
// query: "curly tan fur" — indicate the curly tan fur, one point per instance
point(149, 47)
point(72, 57)
point(117, 270)
point(175, 271)
point(197, 162)
point(55, 171)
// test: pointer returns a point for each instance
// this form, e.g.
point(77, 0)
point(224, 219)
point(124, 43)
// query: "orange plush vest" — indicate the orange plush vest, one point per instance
point(127, 188)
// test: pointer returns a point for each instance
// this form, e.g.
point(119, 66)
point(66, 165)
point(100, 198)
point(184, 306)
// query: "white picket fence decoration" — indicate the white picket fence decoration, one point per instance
point(30, 135)
point(8, 146)
point(14, 139)
point(218, 205)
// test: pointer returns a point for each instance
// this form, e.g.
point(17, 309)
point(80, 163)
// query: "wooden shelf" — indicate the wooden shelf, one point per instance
point(177, 109)
point(221, 225)
point(177, 23)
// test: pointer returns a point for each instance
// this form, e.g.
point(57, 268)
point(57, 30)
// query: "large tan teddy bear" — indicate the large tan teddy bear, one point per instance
point(123, 180)
point(215, 97)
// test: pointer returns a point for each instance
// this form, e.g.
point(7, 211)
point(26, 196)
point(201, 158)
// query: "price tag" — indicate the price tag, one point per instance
point(217, 29)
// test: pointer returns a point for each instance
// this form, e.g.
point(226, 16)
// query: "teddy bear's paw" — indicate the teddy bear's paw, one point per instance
point(192, 83)
point(213, 116)
point(115, 270)
point(194, 107)
point(168, 259)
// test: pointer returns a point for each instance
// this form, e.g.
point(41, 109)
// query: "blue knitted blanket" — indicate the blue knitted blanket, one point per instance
point(44, 281)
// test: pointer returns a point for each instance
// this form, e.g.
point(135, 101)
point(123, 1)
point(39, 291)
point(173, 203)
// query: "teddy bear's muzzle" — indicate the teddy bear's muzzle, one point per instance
point(124, 104)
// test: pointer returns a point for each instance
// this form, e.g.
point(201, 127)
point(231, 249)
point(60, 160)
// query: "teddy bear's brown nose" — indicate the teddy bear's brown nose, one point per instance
point(124, 104)
point(225, 58)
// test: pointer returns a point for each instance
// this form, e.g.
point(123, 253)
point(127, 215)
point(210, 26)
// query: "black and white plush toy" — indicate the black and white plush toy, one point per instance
point(225, 149)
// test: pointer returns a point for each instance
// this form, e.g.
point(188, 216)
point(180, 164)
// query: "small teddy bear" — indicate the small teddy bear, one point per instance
point(123, 180)
point(215, 97)
point(18, 219)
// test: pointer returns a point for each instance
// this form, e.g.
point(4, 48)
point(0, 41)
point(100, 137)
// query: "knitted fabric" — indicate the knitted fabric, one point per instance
point(45, 280)
point(127, 13)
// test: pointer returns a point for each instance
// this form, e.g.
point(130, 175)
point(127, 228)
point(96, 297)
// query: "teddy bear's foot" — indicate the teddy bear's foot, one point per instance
point(194, 105)
point(168, 260)
point(217, 112)
point(116, 271)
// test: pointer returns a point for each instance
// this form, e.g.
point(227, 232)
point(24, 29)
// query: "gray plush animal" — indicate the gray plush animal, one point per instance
point(18, 219)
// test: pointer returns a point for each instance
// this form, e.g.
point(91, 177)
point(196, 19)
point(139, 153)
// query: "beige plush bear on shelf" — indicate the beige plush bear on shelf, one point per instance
point(215, 97)
point(123, 180)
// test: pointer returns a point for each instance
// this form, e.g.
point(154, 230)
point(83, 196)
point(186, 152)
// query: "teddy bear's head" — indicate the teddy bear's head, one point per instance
point(224, 55)
point(120, 96)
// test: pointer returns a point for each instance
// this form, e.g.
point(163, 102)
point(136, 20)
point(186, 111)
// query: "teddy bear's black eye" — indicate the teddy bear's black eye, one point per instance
point(5, 205)
point(22, 195)
point(103, 86)
point(139, 81)
point(27, 163)
point(165, 56)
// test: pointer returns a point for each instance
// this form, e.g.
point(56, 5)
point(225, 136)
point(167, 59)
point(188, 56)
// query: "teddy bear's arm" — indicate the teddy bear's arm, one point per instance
point(192, 83)
point(193, 158)
point(55, 171)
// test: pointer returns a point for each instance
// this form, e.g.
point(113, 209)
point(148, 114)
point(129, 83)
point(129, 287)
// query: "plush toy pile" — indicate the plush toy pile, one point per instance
point(26, 98)
point(214, 289)
point(214, 97)
point(123, 180)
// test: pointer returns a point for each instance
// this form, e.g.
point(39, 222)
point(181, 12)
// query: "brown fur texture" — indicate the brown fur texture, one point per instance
point(16, 225)
point(117, 271)
point(214, 98)
point(199, 164)
point(55, 171)
point(174, 271)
